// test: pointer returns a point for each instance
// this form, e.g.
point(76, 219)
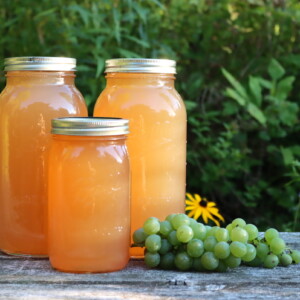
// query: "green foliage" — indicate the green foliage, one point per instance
point(238, 71)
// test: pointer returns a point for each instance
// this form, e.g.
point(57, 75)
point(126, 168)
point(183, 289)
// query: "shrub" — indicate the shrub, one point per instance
point(243, 141)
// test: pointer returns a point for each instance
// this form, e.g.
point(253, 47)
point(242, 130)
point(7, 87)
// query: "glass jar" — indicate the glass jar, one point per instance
point(38, 89)
point(142, 90)
point(89, 205)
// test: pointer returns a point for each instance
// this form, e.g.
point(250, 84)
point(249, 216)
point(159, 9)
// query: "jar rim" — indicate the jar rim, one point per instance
point(90, 126)
point(39, 63)
point(140, 65)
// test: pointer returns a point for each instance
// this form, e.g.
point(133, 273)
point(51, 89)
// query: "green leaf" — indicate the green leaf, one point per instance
point(100, 66)
point(275, 70)
point(142, 12)
point(284, 87)
point(84, 13)
point(288, 156)
point(256, 113)
point(265, 83)
point(45, 13)
point(236, 84)
point(117, 29)
point(190, 105)
point(229, 92)
point(127, 53)
point(255, 89)
point(138, 41)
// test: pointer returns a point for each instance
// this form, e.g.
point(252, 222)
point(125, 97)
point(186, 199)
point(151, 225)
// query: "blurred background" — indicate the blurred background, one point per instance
point(238, 72)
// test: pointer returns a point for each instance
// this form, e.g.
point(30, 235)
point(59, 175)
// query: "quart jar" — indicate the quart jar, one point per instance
point(89, 186)
point(142, 90)
point(38, 89)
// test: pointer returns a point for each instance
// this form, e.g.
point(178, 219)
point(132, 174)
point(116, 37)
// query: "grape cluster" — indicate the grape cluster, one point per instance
point(180, 242)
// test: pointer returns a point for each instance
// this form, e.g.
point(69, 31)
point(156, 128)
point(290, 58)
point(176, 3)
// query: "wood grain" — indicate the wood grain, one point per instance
point(35, 279)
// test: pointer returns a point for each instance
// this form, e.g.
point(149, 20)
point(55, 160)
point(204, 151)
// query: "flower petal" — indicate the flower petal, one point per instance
point(198, 213)
point(190, 197)
point(191, 207)
point(204, 216)
point(190, 214)
point(216, 213)
point(213, 219)
point(197, 198)
point(190, 202)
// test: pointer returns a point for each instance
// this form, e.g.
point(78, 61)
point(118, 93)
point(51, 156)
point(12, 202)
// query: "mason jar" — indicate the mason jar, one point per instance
point(38, 89)
point(142, 90)
point(89, 187)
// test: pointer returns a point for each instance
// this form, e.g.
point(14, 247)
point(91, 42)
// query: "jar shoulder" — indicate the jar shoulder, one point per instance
point(117, 96)
point(61, 101)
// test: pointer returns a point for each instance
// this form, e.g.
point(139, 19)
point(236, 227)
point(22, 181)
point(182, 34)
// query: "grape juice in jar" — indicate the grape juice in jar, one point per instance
point(142, 90)
point(38, 89)
point(89, 205)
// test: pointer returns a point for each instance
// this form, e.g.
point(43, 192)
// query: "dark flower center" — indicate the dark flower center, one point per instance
point(203, 203)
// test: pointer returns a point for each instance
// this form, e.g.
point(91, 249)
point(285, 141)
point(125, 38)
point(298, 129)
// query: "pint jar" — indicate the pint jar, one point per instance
point(38, 89)
point(142, 90)
point(89, 205)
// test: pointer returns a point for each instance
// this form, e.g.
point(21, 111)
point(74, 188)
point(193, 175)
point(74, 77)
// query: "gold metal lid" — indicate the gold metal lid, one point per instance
point(140, 65)
point(90, 126)
point(39, 63)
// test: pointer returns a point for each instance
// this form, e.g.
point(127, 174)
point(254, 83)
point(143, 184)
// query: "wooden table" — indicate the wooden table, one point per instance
point(35, 279)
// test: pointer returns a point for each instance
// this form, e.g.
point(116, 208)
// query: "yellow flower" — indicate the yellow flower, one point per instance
point(200, 207)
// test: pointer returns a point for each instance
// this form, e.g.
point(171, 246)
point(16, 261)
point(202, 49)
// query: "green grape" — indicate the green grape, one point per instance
point(250, 254)
point(256, 262)
point(197, 265)
point(183, 262)
point(199, 230)
point(252, 231)
point(193, 221)
point(208, 228)
point(151, 226)
point(222, 250)
point(232, 261)
point(152, 260)
point(239, 234)
point(153, 243)
point(172, 238)
point(195, 248)
point(229, 227)
point(139, 236)
point(184, 233)
point(285, 259)
point(296, 256)
point(170, 217)
point(277, 245)
point(167, 261)
point(238, 222)
point(238, 249)
point(270, 234)
point(212, 231)
point(179, 220)
point(209, 261)
point(222, 234)
point(165, 246)
point(271, 261)
point(262, 250)
point(210, 243)
point(165, 228)
point(222, 267)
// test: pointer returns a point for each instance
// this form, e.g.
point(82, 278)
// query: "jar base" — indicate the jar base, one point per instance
point(87, 272)
point(24, 255)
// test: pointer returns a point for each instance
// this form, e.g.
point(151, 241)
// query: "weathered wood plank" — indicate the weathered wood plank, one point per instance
point(35, 279)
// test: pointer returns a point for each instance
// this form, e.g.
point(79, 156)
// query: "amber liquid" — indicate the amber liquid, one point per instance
point(27, 105)
point(156, 143)
point(89, 207)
